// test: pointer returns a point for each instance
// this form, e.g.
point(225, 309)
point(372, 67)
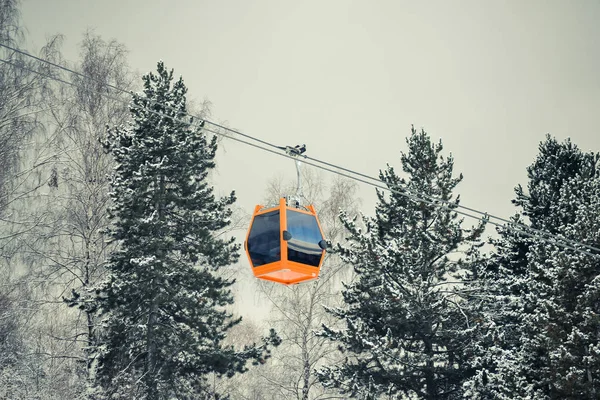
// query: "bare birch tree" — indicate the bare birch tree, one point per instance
point(70, 249)
point(23, 86)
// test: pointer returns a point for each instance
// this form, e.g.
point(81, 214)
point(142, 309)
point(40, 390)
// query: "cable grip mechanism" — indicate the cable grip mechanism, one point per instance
point(295, 152)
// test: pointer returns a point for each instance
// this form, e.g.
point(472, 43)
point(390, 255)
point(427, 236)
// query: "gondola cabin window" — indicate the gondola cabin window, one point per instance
point(303, 246)
point(263, 241)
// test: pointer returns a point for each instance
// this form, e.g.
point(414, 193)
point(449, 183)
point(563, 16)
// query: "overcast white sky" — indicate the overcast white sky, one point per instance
point(348, 78)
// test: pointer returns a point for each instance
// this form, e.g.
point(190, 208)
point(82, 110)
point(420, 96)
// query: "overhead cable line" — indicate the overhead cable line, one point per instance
point(369, 180)
point(433, 200)
point(125, 91)
point(437, 203)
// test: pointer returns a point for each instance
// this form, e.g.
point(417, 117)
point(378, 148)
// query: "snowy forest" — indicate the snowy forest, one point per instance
point(118, 259)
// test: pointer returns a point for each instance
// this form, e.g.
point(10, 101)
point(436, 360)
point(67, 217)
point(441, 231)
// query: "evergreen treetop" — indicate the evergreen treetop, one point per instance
point(539, 331)
point(164, 300)
point(405, 325)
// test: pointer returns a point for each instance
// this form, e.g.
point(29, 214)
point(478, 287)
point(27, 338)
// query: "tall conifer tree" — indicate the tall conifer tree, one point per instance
point(406, 329)
point(164, 301)
point(540, 334)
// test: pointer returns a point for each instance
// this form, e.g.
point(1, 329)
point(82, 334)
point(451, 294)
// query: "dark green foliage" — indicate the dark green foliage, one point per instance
point(407, 333)
point(164, 299)
point(541, 333)
point(555, 164)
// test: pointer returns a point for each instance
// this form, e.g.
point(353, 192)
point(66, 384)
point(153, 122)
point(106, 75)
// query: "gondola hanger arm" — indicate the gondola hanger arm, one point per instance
point(295, 152)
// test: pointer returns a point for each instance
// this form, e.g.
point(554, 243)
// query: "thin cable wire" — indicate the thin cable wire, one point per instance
point(403, 193)
point(418, 199)
point(567, 243)
point(128, 92)
point(432, 200)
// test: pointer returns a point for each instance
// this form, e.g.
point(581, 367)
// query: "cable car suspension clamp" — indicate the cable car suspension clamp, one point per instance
point(295, 152)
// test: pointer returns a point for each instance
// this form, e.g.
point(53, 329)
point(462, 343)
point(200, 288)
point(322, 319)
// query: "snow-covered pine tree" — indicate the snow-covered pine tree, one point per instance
point(560, 354)
point(539, 312)
point(496, 286)
point(406, 331)
point(163, 302)
point(563, 323)
point(574, 326)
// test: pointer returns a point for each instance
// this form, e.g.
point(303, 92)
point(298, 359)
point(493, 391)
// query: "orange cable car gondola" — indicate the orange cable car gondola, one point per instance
point(285, 242)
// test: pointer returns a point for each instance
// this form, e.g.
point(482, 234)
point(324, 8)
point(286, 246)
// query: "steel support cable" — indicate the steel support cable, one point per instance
point(514, 226)
point(129, 92)
point(432, 200)
point(418, 199)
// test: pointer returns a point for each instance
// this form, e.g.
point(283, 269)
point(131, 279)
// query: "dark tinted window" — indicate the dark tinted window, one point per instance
point(263, 244)
point(303, 247)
